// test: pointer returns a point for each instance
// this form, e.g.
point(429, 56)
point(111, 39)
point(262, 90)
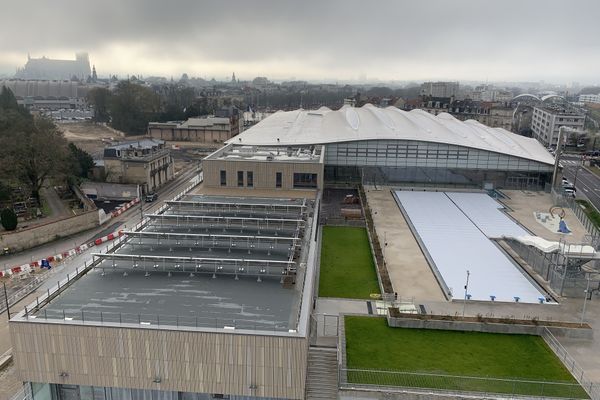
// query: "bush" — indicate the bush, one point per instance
point(9, 219)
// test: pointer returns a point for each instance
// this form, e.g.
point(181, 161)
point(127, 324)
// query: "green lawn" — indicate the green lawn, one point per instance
point(347, 267)
point(371, 344)
point(591, 212)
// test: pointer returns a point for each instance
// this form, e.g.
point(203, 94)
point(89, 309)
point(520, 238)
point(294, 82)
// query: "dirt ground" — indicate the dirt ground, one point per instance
point(91, 137)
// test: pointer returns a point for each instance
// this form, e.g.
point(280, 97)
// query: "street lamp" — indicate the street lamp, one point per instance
point(466, 291)
point(577, 168)
point(559, 146)
point(586, 294)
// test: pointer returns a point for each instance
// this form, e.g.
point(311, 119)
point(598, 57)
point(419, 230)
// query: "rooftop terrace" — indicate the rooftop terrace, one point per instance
point(202, 261)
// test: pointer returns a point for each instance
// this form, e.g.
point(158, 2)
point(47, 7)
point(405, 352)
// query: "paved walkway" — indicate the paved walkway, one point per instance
point(58, 208)
point(525, 203)
point(409, 271)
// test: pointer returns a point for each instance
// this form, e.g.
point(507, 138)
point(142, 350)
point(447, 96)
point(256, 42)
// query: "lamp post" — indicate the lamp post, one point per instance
point(559, 147)
point(466, 291)
point(586, 293)
point(577, 168)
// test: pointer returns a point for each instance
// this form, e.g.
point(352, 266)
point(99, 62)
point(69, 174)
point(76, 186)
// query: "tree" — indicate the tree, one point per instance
point(37, 153)
point(132, 106)
point(82, 162)
point(100, 99)
point(9, 219)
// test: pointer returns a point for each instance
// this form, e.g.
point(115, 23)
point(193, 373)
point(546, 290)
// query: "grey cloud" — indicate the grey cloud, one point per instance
point(334, 37)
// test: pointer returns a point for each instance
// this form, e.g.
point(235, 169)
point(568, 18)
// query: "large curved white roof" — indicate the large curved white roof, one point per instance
point(323, 126)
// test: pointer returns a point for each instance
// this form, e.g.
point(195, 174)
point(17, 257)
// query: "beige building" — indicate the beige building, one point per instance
point(209, 299)
point(255, 167)
point(204, 130)
point(145, 162)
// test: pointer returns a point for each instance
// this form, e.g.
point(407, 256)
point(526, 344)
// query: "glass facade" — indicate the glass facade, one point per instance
point(51, 391)
point(305, 180)
point(424, 163)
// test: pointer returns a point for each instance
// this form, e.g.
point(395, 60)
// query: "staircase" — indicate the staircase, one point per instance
point(322, 374)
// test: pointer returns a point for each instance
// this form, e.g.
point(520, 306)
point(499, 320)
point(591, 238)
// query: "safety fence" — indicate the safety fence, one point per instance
point(593, 389)
point(357, 378)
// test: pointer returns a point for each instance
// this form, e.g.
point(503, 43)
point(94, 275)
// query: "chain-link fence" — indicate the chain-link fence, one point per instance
point(452, 383)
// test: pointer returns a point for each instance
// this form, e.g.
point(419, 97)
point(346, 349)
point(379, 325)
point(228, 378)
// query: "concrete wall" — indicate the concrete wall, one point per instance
point(573, 333)
point(35, 236)
point(264, 173)
point(192, 361)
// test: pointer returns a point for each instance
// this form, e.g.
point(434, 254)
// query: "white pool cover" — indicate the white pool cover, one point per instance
point(453, 229)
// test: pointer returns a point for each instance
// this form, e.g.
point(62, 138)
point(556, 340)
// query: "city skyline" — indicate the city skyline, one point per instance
point(345, 41)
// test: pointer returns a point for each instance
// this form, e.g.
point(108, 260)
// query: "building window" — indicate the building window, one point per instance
point(304, 180)
point(223, 178)
point(249, 178)
point(278, 179)
point(240, 178)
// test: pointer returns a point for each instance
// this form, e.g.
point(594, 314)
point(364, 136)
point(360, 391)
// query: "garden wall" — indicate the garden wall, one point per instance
point(30, 237)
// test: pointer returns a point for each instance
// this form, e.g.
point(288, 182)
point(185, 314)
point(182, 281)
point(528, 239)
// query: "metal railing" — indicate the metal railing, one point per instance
point(24, 393)
point(593, 389)
point(154, 320)
point(356, 378)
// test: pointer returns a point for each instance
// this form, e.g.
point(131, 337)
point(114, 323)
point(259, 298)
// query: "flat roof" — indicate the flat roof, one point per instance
point(296, 154)
point(209, 274)
point(177, 300)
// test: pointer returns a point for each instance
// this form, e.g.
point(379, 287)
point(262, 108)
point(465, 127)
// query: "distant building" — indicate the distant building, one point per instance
point(48, 94)
point(439, 89)
point(547, 120)
point(492, 114)
point(145, 162)
point(489, 93)
point(205, 130)
point(46, 68)
point(589, 98)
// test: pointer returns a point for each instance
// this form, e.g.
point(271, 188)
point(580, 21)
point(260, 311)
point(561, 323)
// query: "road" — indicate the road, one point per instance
point(129, 218)
point(587, 183)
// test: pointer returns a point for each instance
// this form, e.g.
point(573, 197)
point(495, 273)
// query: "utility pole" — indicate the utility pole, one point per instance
point(8, 309)
point(466, 294)
point(558, 153)
point(586, 294)
point(141, 203)
point(577, 168)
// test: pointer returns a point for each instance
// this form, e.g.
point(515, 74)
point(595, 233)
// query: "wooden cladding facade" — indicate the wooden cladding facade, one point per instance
point(264, 173)
point(173, 360)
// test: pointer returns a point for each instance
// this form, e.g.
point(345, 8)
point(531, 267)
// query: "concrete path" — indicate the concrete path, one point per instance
point(57, 207)
point(409, 271)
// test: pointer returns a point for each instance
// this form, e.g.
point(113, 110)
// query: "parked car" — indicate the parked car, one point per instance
point(570, 192)
point(150, 197)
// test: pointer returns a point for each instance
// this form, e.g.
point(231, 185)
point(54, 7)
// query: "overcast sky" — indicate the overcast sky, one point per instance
point(511, 40)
